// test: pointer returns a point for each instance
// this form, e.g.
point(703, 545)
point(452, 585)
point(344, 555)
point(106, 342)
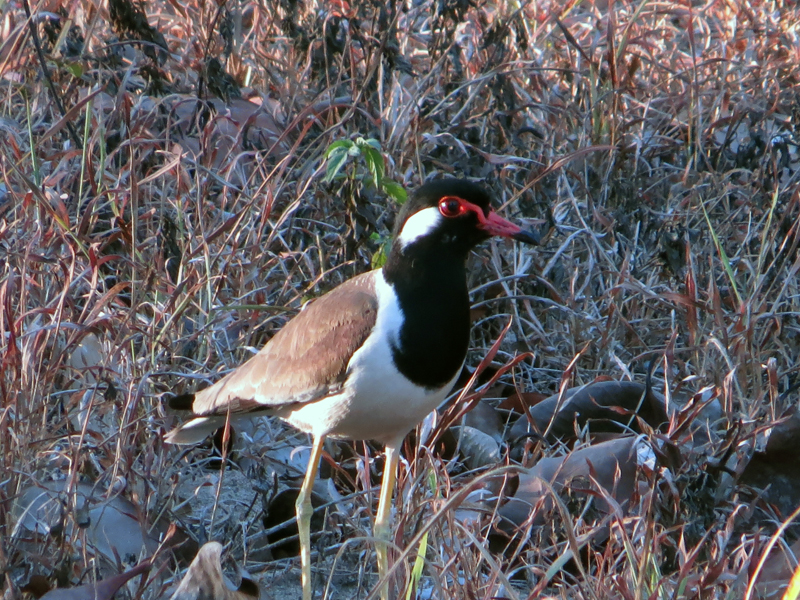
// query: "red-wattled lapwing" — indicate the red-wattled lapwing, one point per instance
point(372, 357)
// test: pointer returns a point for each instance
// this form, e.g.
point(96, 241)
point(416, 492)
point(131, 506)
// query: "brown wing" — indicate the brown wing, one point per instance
point(305, 361)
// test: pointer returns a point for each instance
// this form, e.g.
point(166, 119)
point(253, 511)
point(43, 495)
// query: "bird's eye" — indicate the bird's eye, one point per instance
point(450, 207)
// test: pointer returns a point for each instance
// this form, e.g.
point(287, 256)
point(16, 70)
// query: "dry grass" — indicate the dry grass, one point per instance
point(660, 138)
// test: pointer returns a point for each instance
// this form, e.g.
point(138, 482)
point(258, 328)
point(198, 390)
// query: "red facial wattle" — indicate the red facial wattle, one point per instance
point(493, 224)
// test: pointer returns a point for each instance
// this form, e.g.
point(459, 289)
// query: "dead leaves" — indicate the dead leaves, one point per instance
point(109, 525)
point(607, 470)
point(102, 590)
point(606, 406)
point(205, 581)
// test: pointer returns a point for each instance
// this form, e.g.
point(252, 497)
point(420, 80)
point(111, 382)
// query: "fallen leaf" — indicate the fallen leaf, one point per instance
point(282, 509)
point(519, 402)
point(111, 526)
point(485, 418)
point(776, 469)
point(612, 465)
point(777, 571)
point(479, 449)
point(205, 581)
point(606, 406)
point(102, 590)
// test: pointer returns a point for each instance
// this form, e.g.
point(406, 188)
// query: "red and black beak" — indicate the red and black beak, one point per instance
point(494, 224)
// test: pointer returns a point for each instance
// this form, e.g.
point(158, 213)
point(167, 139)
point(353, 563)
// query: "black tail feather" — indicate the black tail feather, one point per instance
point(181, 402)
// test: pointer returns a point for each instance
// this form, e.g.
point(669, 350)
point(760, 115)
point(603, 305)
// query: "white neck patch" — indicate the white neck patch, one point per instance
point(418, 225)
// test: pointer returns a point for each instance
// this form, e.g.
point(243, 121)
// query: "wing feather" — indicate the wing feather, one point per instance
point(305, 361)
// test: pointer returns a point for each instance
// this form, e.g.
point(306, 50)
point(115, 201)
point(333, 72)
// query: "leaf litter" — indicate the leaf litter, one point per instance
point(163, 212)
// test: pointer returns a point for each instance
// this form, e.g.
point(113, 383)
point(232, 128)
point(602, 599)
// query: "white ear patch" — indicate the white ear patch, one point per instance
point(419, 224)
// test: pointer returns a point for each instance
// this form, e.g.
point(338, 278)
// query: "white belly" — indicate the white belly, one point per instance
point(377, 402)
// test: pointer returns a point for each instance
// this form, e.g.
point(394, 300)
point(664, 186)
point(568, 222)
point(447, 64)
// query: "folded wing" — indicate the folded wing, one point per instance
point(305, 361)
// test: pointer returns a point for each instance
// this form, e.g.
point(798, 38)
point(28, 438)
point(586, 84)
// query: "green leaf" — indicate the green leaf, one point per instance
point(419, 564)
point(379, 258)
point(395, 191)
point(723, 256)
point(371, 142)
point(375, 165)
point(338, 144)
point(337, 158)
point(75, 68)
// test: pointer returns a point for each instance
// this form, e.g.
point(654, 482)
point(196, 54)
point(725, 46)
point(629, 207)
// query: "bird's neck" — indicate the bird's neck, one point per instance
point(419, 267)
point(431, 290)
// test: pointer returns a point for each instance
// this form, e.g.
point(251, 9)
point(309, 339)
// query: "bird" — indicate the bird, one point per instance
point(371, 358)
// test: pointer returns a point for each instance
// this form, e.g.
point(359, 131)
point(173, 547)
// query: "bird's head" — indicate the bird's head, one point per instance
point(454, 215)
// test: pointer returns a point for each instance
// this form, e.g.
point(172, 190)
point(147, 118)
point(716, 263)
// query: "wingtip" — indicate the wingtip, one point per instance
point(194, 431)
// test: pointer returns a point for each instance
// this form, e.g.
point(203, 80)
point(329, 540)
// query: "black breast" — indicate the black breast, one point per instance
point(434, 337)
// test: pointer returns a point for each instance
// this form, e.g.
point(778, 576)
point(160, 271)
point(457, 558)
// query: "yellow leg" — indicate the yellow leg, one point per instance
point(384, 516)
point(304, 511)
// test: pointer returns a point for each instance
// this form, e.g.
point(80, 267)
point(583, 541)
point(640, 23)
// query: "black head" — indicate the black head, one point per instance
point(451, 215)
